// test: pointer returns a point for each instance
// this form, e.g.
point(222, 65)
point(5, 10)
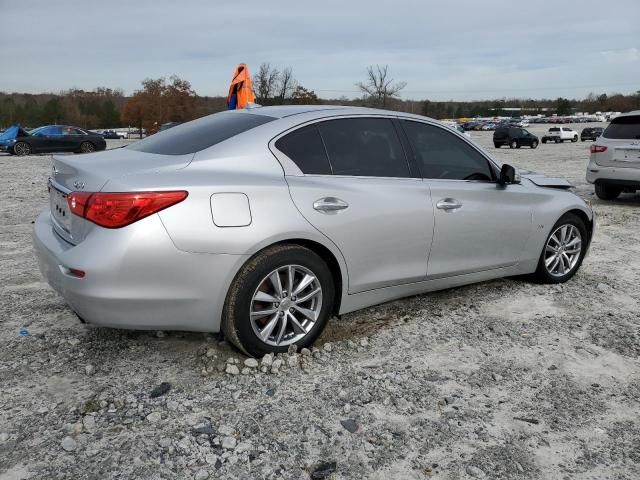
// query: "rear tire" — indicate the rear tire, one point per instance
point(558, 140)
point(607, 192)
point(514, 144)
point(574, 139)
point(255, 280)
point(21, 149)
point(534, 144)
point(497, 145)
point(87, 147)
point(552, 273)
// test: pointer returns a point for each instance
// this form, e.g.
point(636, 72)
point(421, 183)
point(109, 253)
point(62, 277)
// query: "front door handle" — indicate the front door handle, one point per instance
point(448, 204)
point(330, 205)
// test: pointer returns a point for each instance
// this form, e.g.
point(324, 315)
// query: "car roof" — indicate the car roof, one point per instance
point(284, 111)
point(629, 114)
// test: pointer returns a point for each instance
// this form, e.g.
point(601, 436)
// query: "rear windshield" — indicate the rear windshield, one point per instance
point(199, 134)
point(624, 128)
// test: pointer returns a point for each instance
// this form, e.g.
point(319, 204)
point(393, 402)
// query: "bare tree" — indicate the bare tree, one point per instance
point(379, 87)
point(265, 83)
point(287, 85)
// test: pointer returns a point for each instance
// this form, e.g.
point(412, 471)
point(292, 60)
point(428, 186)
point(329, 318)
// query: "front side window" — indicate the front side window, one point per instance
point(441, 155)
point(367, 147)
point(304, 147)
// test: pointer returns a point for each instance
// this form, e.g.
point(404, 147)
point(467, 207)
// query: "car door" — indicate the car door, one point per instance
point(525, 137)
point(354, 184)
point(71, 139)
point(479, 224)
point(43, 140)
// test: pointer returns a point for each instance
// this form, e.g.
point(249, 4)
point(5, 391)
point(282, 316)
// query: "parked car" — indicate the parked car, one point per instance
point(515, 137)
point(264, 223)
point(50, 139)
point(488, 126)
point(110, 135)
point(168, 125)
point(591, 133)
point(614, 165)
point(457, 128)
point(560, 134)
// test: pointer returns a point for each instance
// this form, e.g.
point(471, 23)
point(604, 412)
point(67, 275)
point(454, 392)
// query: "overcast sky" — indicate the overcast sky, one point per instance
point(461, 49)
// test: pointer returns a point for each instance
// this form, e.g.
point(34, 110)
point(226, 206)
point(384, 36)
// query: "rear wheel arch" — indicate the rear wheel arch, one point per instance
point(338, 271)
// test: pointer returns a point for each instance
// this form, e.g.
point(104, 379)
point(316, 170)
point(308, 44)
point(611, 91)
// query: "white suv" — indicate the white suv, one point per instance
point(560, 134)
point(615, 157)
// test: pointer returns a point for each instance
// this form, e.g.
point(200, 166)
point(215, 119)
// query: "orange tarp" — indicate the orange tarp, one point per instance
point(241, 88)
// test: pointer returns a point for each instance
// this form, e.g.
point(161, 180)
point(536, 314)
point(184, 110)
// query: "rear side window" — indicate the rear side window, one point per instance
point(554, 129)
point(367, 147)
point(304, 147)
point(624, 128)
point(199, 134)
point(442, 155)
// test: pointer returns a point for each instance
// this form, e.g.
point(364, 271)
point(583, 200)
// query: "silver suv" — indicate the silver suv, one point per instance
point(615, 157)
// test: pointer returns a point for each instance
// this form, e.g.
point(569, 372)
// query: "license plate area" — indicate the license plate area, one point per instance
point(60, 208)
point(627, 155)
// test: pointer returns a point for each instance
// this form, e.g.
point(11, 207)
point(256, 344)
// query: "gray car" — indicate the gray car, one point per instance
point(266, 222)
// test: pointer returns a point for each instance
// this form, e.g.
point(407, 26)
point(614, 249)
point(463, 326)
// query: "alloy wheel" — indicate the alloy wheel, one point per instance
point(21, 149)
point(562, 251)
point(286, 305)
point(87, 147)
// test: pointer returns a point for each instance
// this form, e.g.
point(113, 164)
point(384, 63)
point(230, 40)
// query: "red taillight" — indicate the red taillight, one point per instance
point(115, 210)
point(598, 148)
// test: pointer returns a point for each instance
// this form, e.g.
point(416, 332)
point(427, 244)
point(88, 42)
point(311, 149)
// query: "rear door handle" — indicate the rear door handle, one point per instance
point(448, 204)
point(330, 205)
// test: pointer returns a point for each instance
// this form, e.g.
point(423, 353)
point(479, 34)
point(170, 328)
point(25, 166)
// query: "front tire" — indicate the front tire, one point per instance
point(607, 192)
point(21, 149)
point(282, 296)
point(544, 140)
point(563, 250)
point(574, 139)
point(497, 145)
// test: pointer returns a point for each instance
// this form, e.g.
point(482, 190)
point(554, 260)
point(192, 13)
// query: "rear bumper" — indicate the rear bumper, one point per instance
point(135, 277)
point(627, 177)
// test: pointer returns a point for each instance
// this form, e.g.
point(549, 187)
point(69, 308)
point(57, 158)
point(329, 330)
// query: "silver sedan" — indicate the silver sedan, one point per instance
point(266, 222)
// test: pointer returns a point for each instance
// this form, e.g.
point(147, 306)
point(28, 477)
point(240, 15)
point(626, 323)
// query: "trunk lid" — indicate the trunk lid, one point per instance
point(90, 173)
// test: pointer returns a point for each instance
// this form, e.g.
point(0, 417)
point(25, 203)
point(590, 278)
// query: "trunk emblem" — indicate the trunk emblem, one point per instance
point(79, 185)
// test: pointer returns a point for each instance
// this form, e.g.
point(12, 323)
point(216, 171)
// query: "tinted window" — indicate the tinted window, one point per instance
point(304, 147)
point(199, 134)
point(43, 131)
point(554, 129)
point(444, 156)
point(624, 128)
point(364, 147)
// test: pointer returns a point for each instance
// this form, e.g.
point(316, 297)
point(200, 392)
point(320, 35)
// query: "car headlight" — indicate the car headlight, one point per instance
point(13, 140)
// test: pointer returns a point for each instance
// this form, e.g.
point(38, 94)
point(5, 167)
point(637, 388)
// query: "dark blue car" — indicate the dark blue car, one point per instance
point(50, 139)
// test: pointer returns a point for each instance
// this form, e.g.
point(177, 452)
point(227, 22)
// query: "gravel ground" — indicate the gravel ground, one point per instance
point(502, 379)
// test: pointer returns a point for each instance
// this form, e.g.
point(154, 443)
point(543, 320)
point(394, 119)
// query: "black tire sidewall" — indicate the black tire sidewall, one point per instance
point(567, 219)
point(21, 154)
point(237, 312)
point(607, 192)
point(87, 151)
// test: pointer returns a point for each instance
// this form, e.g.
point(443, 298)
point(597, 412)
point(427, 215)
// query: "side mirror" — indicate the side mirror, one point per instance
point(508, 175)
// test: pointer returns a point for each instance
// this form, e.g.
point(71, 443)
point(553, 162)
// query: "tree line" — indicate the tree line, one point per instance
point(164, 100)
